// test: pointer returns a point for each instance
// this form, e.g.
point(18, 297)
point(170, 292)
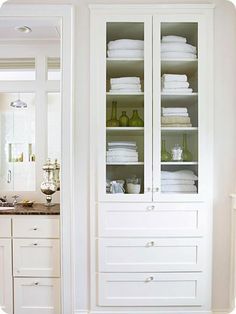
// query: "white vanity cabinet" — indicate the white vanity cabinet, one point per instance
point(151, 251)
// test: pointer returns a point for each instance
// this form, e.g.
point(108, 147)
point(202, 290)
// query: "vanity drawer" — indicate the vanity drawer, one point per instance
point(36, 257)
point(152, 254)
point(36, 227)
point(36, 296)
point(150, 289)
point(5, 227)
point(139, 219)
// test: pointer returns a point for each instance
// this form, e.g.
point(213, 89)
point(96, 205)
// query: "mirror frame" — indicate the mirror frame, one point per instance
point(65, 15)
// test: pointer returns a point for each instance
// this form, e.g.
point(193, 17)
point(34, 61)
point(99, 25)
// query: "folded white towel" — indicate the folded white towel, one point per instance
point(177, 182)
point(125, 80)
point(173, 38)
point(174, 78)
point(126, 44)
point(179, 175)
point(126, 86)
point(175, 114)
point(174, 110)
point(177, 91)
point(174, 85)
point(178, 55)
point(125, 91)
point(122, 143)
point(125, 53)
point(178, 47)
point(119, 153)
point(179, 188)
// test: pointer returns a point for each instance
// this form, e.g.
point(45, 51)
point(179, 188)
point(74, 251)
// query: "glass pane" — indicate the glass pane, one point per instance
point(17, 142)
point(15, 69)
point(179, 108)
point(54, 70)
point(125, 108)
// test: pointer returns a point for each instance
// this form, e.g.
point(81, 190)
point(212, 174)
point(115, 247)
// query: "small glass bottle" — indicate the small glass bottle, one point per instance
point(136, 121)
point(124, 119)
point(177, 153)
point(187, 155)
point(113, 122)
point(165, 155)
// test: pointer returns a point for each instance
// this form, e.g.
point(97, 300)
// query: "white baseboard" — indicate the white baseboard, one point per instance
point(147, 312)
point(81, 312)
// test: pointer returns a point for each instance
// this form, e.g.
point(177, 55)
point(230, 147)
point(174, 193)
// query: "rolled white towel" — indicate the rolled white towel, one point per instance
point(173, 85)
point(177, 91)
point(125, 53)
point(126, 86)
point(125, 80)
point(174, 110)
point(178, 55)
point(180, 47)
point(179, 188)
point(177, 182)
point(173, 38)
point(122, 44)
point(174, 78)
point(179, 175)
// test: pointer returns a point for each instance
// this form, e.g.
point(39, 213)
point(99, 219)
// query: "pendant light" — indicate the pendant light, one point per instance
point(18, 103)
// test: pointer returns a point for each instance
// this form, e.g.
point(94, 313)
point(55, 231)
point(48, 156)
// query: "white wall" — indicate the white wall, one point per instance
point(225, 139)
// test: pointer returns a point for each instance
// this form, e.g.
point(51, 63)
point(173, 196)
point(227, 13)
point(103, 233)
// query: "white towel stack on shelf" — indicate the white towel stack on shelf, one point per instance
point(182, 181)
point(175, 84)
point(122, 152)
point(125, 85)
point(126, 48)
point(175, 117)
point(176, 47)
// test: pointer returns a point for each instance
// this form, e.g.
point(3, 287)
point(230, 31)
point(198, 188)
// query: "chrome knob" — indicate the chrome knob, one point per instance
point(35, 243)
point(148, 190)
point(150, 244)
point(150, 208)
point(149, 279)
point(35, 228)
point(156, 189)
point(36, 283)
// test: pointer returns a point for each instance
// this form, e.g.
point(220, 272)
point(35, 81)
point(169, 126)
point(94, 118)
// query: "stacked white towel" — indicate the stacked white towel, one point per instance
point(175, 84)
point(126, 48)
point(175, 117)
point(125, 85)
point(122, 152)
point(176, 47)
point(182, 181)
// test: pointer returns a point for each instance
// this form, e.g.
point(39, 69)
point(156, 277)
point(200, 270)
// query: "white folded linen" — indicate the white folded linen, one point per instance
point(177, 182)
point(126, 44)
point(122, 143)
point(174, 110)
point(177, 90)
point(126, 86)
point(178, 55)
point(173, 38)
point(175, 114)
point(174, 85)
point(174, 78)
point(125, 80)
point(179, 175)
point(178, 47)
point(124, 91)
point(179, 188)
point(125, 53)
point(122, 153)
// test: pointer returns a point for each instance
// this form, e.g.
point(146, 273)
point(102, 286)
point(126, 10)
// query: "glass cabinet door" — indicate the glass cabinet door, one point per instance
point(126, 121)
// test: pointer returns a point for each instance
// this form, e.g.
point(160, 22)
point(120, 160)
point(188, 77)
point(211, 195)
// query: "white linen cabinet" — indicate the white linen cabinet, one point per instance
point(151, 245)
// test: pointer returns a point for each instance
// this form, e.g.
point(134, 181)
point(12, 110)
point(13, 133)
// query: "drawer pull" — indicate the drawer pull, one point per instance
point(150, 208)
point(150, 244)
point(156, 189)
point(35, 243)
point(35, 228)
point(148, 190)
point(36, 283)
point(149, 279)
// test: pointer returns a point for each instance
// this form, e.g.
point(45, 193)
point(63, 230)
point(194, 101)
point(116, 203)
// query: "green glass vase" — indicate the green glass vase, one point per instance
point(113, 122)
point(165, 155)
point(124, 119)
point(187, 155)
point(136, 121)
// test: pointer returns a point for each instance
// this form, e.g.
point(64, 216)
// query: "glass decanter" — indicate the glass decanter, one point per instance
point(124, 119)
point(113, 122)
point(136, 121)
point(187, 155)
point(165, 155)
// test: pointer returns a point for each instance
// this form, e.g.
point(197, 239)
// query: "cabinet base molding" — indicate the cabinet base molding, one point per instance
point(151, 312)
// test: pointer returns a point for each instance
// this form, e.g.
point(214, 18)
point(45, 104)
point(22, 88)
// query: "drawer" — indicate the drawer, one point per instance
point(152, 254)
point(36, 227)
point(36, 257)
point(150, 289)
point(37, 296)
point(5, 227)
point(139, 219)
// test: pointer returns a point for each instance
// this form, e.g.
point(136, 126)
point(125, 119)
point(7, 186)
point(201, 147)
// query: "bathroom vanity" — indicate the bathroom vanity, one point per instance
point(30, 260)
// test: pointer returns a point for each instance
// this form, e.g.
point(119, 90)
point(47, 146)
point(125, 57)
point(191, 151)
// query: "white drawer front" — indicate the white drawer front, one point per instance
point(36, 227)
point(36, 296)
point(5, 227)
point(150, 289)
point(155, 254)
point(139, 219)
point(36, 257)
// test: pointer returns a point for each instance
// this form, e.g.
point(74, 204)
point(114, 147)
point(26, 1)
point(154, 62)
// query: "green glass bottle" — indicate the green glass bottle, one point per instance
point(124, 119)
point(187, 155)
point(113, 122)
point(136, 121)
point(165, 155)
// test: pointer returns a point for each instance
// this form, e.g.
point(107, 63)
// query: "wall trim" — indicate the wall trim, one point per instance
point(146, 312)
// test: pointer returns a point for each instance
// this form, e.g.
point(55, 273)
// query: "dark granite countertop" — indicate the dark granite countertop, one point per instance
point(36, 209)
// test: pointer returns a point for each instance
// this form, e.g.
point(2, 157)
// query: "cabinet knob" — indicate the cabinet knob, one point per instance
point(149, 279)
point(35, 243)
point(36, 283)
point(150, 244)
point(156, 189)
point(150, 208)
point(35, 228)
point(148, 190)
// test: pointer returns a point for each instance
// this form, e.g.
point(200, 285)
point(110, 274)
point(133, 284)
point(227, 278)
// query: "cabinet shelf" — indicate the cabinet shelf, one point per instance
point(125, 94)
point(139, 163)
point(124, 130)
point(181, 163)
point(179, 130)
point(179, 66)
point(186, 95)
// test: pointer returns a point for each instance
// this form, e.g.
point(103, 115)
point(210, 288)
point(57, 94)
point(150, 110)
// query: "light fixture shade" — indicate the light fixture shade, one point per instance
point(18, 104)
